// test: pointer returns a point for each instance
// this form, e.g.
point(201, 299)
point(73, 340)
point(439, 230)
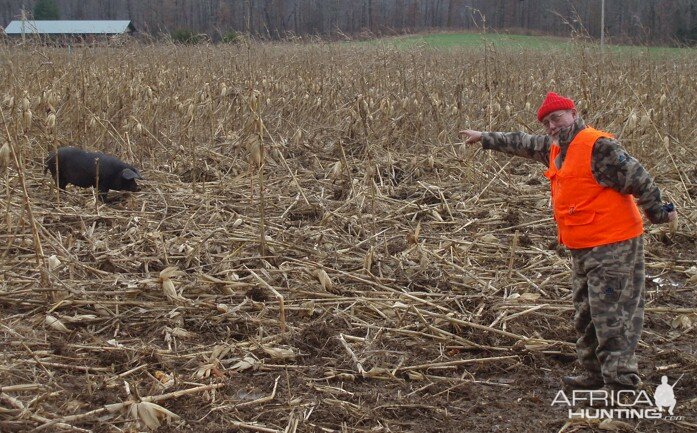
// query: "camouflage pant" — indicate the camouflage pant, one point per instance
point(608, 290)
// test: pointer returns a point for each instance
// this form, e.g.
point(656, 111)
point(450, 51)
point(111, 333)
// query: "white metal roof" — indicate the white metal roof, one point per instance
point(67, 27)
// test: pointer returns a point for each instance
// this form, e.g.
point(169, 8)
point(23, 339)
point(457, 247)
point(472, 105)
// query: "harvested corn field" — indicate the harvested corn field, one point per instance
point(313, 249)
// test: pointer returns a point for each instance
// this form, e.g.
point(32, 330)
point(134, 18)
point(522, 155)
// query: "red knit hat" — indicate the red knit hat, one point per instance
point(554, 102)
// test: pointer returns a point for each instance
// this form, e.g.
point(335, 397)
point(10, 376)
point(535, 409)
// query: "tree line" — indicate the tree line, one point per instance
point(639, 21)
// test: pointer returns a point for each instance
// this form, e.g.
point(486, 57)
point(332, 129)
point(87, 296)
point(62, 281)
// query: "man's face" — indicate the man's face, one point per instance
point(559, 120)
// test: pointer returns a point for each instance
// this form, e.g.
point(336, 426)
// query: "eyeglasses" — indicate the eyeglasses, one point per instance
point(554, 117)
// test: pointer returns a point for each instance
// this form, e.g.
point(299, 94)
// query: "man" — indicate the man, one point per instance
point(593, 180)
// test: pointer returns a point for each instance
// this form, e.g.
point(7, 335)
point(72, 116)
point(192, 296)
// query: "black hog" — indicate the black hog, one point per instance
point(78, 167)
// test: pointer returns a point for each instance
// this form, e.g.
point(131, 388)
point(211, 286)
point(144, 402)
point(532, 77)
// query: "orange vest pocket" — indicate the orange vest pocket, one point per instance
point(578, 218)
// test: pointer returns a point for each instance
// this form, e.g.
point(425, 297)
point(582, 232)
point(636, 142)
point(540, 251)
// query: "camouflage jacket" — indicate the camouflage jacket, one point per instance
point(611, 165)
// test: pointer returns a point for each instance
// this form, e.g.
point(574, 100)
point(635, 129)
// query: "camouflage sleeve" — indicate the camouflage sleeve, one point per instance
point(534, 147)
point(614, 168)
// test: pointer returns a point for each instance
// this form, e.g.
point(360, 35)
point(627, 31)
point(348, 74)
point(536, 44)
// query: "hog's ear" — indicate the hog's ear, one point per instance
point(129, 174)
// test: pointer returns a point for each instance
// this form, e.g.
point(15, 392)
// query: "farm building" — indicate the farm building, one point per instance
point(87, 30)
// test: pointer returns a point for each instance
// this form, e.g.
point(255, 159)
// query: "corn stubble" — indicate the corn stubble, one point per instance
point(315, 201)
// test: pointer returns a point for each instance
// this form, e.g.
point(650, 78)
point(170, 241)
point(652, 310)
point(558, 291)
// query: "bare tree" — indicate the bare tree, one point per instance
point(651, 20)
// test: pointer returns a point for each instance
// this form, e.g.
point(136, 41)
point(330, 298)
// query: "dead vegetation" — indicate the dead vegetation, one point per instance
point(313, 250)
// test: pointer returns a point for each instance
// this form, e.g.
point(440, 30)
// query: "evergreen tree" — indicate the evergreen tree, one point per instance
point(46, 10)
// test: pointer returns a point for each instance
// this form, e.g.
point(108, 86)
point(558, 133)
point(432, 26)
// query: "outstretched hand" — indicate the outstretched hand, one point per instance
point(471, 136)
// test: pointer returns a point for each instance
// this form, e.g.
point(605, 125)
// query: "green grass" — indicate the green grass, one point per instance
point(514, 42)
point(457, 40)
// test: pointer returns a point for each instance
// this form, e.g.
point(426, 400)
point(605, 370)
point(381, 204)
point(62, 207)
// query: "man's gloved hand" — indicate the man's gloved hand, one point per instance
point(672, 215)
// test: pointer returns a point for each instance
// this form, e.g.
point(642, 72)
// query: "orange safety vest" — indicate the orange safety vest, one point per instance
point(587, 213)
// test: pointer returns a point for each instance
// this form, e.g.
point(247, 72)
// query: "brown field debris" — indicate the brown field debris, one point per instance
point(314, 249)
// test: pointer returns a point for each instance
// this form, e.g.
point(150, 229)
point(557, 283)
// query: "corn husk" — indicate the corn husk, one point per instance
point(279, 353)
point(245, 364)
point(53, 263)
point(5, 155)
point(55, 324)
point(324, 279)
point(150, 415)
